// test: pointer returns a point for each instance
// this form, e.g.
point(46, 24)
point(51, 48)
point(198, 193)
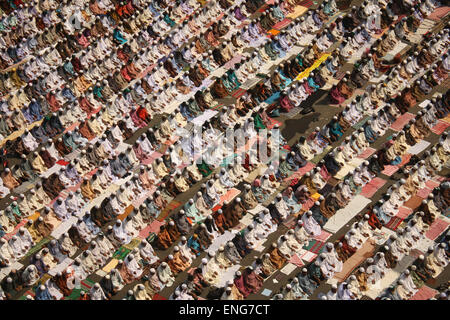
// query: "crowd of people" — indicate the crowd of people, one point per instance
point(109, 190)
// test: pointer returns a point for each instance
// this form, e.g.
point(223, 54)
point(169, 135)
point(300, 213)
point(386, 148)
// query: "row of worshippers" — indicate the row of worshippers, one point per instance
point(87, 133)
point(397, 246)
point(28, 137)
point(298, 288)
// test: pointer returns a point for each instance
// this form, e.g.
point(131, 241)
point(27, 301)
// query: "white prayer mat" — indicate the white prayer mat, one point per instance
point(24, 187)
point(260, 247)
point(60, 267)
point(246, 220)
point(397, 48)
point(306, 40)
point(381, 236)
point(424, 103)
point(72, 155)
point(101, 273)
point(221, 240)
point(63, 227)
point(218, 72)
point(296, 50)
point(200, 120)
point(418, 147)
point(228, 275)
point(424, 244)
point(250, 83)
point(5, 271)
point(288, 269)
point(308, 256)
point(344, 215)
point(256, 210)
point(255, 173)
point(52, 170)
point(349, 166)
point(389, 278)
point(121, 147)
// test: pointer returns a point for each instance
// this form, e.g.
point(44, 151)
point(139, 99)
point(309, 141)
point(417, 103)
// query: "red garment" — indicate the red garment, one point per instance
point(240, 285)
point(373, 220)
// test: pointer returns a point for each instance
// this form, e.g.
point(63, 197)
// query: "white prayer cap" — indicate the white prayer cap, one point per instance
point(361, 269)
point(152, 270)
point(334, 286)
point(96, 285)
point(171, 223)
point(324, 297)
point(204, 261)
point(164, 264)
point(329, 245)
point(176, 249)
point(42, 287)
point(170, 257)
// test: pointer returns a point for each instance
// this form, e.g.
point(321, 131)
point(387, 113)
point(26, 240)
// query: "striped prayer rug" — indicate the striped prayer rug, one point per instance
point(306, 3)
point(436, 229)
point(402, 121)
point(424, 293)
point(394, 223)
point(167, 210)
point(238, 93)
point(280, 25)
point(314, 246)
point(440, 127)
